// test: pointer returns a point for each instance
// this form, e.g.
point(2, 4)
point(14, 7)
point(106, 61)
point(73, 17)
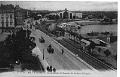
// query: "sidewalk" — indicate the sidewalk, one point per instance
point(3, 36)
point(37, 52)
point(50, 59)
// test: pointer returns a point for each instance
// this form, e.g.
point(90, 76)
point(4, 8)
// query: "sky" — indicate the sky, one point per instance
point(70, 5)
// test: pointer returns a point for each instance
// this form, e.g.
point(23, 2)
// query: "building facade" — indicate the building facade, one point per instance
point(19, 16)
point(7, 16)
point(77, 15)
point(66, 14)
point(11, 16)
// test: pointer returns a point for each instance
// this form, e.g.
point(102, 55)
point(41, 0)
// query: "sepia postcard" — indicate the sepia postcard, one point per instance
point(58, 38)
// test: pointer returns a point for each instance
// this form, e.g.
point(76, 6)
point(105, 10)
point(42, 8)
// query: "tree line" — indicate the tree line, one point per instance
point(18, 48)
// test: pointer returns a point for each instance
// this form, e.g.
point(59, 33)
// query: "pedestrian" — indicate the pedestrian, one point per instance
point(50, 69)
point(62, 51)
point(54, 70)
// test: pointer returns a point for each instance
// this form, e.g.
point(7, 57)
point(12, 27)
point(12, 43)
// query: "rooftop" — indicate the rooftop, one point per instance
point(6, 8)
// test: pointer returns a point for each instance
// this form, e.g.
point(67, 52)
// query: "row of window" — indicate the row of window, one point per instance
point(7, 16)
point(11, 20)
point(6, 23)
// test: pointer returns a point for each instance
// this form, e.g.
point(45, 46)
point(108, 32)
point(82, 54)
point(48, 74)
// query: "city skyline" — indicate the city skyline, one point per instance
point(61, 5)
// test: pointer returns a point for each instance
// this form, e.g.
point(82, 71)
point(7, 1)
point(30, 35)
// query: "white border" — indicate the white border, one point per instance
point(64, 0)
point(111, 74)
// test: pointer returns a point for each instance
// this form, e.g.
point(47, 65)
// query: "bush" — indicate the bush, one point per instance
point(32, 63)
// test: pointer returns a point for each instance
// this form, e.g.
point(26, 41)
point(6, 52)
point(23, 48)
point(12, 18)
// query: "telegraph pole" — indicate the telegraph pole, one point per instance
point(43, 54)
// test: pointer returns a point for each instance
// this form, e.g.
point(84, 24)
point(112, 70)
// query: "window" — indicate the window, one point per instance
point(2, 24)
point(2, 16)
point(11, 23)
point(6, 24)
point(70, 15)
point(10, 16)
point(7, 15)
point(6, 19)
point(2, 19)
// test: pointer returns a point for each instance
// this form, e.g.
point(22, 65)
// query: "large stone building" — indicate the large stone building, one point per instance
point(7, 16)
point(11, 16)
point(66, 14)
point(19, 16)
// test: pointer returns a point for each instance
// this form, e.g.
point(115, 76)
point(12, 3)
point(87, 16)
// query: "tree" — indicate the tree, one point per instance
point(99, 50)
point(18, 48)
point(107, 52)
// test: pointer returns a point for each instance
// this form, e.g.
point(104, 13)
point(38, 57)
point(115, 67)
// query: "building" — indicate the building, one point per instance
point(11, 16)
point(19, 16)
point(66, 14)
point(77, 15)
point(7, 16)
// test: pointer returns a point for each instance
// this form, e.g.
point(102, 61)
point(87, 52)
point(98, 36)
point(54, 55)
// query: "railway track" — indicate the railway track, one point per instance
point(94, 62)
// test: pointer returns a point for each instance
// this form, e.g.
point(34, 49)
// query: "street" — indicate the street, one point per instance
point(58, 60)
